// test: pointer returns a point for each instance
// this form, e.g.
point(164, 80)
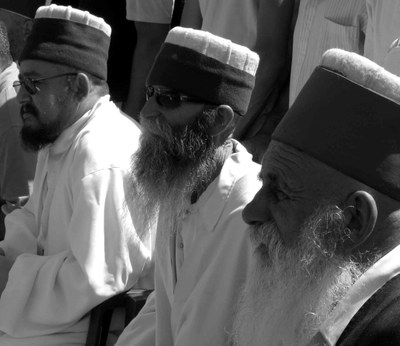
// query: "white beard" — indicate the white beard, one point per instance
point(291, 290)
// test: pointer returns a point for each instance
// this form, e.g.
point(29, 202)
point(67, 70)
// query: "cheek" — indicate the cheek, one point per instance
point(48, 107)
point(289, 221)
point(148, 107)
point(287, 229)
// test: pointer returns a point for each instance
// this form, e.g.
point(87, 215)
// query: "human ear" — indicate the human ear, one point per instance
point(224, 117)
point(360, 214)
point(80, 85)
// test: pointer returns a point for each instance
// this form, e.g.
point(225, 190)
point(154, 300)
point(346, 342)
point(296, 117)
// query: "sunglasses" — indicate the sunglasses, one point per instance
point(168, 98)
point(31, 85)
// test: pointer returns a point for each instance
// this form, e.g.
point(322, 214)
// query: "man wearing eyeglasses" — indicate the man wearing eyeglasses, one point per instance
point(74, 244)
point(190, 169)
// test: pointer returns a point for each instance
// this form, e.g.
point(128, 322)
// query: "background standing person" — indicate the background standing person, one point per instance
point(122, 43)
point(152, 19)
point(191, 171)
point(321, 25)
point(382, 30)
point(74, 244)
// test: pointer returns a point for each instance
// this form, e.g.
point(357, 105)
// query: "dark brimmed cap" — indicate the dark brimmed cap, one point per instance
point(348, 117)
point(70, 37)
point(206, 66)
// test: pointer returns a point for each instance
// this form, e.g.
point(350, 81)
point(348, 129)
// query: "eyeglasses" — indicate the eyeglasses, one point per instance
point(31, 85)
point(168, 98)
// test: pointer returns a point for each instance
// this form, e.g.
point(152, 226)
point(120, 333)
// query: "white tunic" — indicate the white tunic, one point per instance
point(200, 272)
point(74, 242)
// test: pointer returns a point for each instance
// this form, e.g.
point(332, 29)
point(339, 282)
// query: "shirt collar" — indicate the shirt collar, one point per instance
point(371, 281)
point(213, 200)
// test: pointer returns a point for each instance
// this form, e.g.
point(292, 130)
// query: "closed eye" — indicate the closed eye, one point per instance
point(275, 190)
point(278, 194)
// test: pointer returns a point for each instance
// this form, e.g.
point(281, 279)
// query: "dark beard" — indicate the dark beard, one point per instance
point(34, 139)
point(172, 166)
point(293, 289)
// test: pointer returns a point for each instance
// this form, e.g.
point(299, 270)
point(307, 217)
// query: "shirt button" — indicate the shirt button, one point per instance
point(180, 245)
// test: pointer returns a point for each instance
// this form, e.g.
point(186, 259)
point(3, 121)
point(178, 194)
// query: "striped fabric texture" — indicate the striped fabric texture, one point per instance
point(321, 25)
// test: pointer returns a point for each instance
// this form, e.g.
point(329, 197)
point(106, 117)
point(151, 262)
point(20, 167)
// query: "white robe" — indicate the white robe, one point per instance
point(74, 242)
point(201, 271)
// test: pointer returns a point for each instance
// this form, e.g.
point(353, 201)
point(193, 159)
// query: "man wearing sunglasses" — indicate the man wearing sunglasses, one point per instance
point(74, 244)
point(191, 171)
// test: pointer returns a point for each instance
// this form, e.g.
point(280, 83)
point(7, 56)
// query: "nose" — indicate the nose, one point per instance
point(150, 105)
point(257, 210)
point(22, 95)
point(150, 109)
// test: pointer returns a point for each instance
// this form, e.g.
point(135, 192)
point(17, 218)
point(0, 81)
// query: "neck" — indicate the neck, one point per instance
point(88, 103)
point(385, 237)
point(83, 106)
point(221, 155)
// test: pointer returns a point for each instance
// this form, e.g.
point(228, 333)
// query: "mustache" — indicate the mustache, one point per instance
point(264, 233)
point(156, 124)
point(28, 108)
point(182, 143)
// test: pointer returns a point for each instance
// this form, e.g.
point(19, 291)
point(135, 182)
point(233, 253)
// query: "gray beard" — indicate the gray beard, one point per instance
point(170, 166)
point(291, 291)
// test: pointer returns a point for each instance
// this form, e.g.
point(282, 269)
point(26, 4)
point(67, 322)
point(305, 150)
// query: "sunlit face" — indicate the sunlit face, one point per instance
point(290, 291)
point(176, 113)
point(48, 112)
point(174, 163)
point(292, 189)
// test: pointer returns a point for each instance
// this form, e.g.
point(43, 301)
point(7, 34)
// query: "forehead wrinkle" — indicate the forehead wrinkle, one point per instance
point(281, 163)
point(315, 178)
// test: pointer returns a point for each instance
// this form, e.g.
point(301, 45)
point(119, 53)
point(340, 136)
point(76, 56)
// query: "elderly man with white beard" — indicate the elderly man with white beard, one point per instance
point(325, 224)
point(190, 169)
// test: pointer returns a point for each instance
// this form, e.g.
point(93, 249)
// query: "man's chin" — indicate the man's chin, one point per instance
point(34, 140)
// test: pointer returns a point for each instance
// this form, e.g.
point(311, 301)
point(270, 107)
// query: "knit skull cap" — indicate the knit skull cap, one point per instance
point(206, 66)
point(71, 37)
point(348, 117)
